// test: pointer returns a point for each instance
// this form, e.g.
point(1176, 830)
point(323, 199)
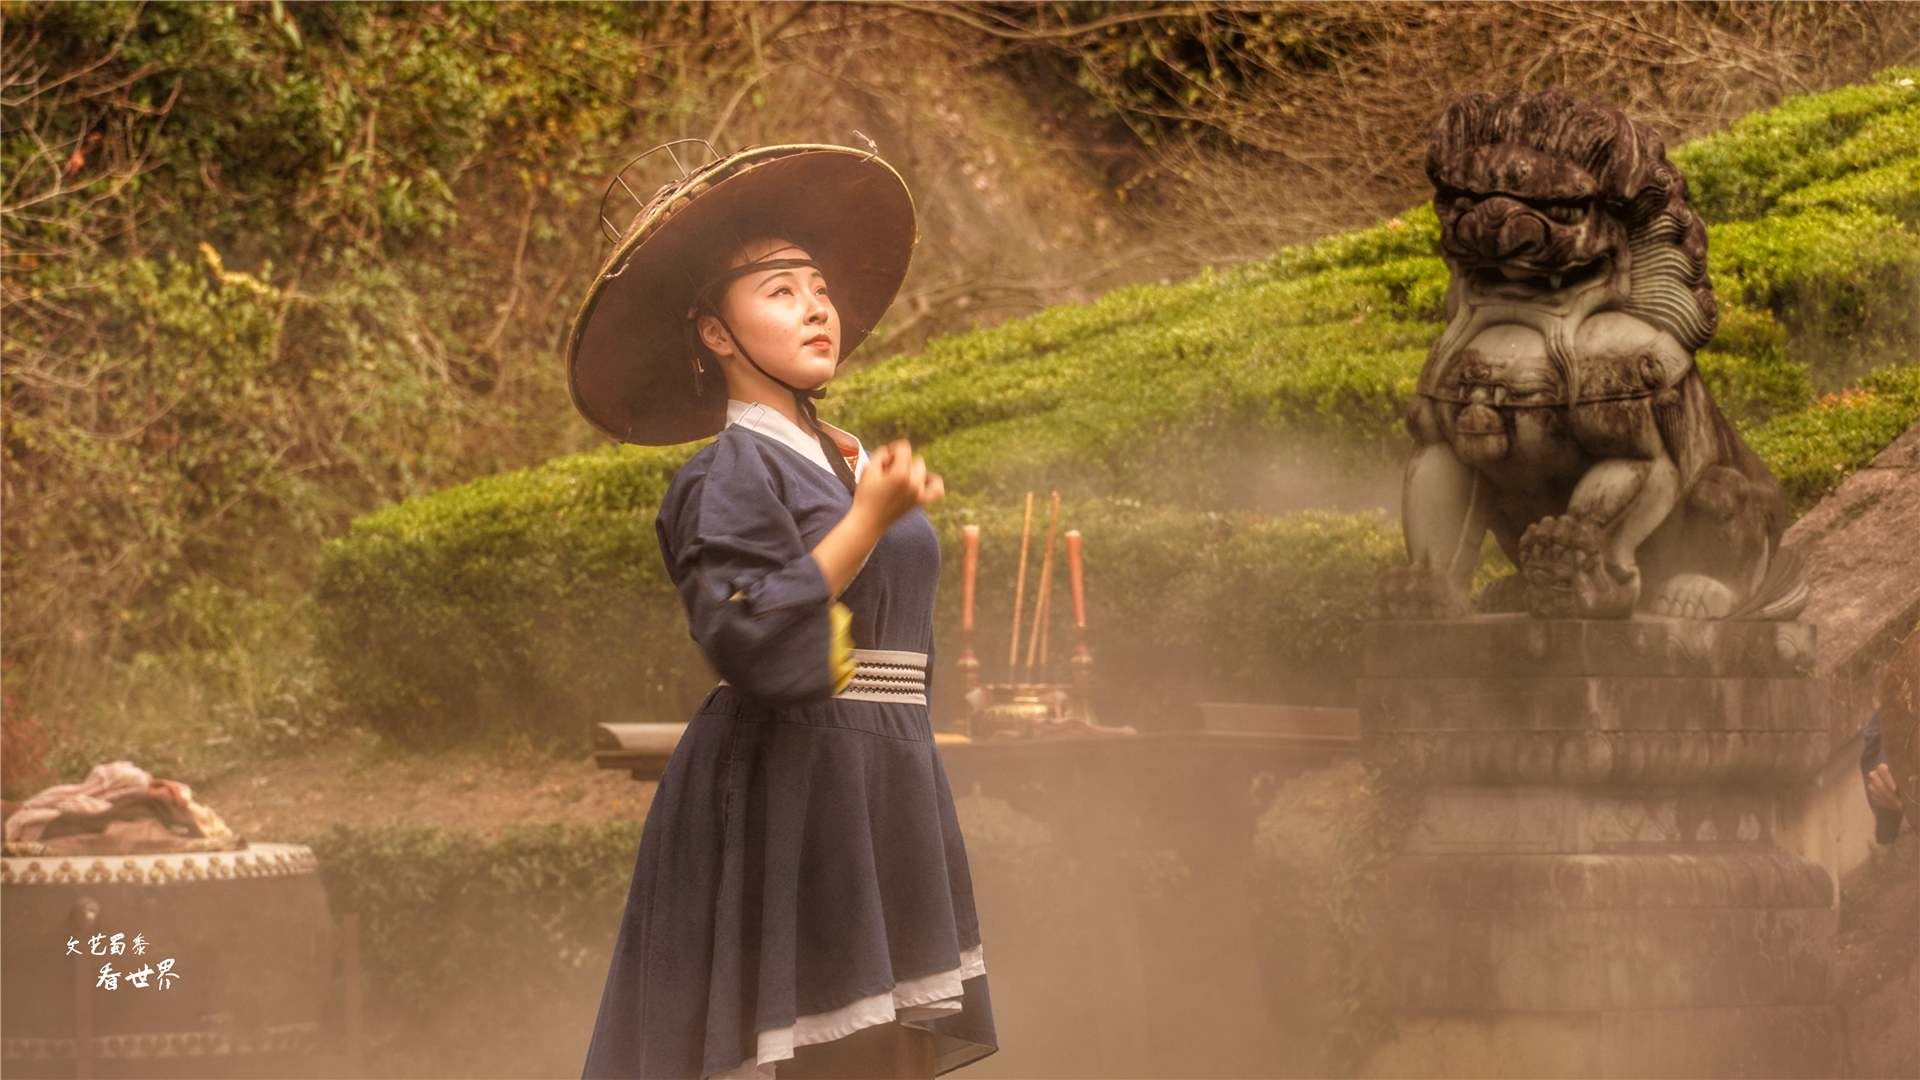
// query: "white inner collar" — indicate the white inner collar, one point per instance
point(754, 416)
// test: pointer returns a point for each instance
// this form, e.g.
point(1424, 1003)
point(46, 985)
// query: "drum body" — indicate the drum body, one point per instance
point(251, 941)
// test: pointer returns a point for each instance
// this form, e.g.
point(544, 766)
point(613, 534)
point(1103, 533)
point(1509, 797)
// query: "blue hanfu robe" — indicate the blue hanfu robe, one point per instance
point(801, 867)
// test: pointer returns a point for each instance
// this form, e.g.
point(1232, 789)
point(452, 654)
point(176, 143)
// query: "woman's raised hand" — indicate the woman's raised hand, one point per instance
point(895, 481)
point(1881, 790)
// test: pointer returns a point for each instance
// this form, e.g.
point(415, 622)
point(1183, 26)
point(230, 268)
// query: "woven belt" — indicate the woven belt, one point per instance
point(885, 675)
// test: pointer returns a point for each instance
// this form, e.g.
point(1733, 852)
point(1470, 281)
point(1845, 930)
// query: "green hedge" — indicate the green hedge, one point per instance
point(1176, 420)
point(1182, 606)
point(531, 602)
point(480, 958)
point(1148, 392)
point(1813, 451)
point(1803, 149)
point(538, 604)
point(1845, 283)
point(1813, 209)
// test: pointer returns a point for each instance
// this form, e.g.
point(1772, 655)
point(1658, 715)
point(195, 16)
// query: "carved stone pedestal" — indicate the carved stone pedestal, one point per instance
point(1591, 887)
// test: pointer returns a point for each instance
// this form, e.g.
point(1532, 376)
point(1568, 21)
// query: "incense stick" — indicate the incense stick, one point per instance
point(1046, 574)
point(1019, 593)
point(1042, 601)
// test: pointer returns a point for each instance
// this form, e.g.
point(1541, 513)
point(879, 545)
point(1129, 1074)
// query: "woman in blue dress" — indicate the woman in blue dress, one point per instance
point(801, 905)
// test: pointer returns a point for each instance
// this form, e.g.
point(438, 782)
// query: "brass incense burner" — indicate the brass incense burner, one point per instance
point(1015, 708)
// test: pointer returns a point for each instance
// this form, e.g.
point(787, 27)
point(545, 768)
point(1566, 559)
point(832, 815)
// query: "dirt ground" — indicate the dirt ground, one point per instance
point(352, 782)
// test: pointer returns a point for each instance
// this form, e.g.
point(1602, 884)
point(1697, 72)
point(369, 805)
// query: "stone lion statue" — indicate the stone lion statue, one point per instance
point(1561, 409)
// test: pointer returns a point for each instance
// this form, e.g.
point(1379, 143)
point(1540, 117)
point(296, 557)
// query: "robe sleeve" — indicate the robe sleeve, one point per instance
point(756, 602)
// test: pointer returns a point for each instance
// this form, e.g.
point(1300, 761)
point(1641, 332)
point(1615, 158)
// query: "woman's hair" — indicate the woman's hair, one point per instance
point(718, 257)
point(723, 249)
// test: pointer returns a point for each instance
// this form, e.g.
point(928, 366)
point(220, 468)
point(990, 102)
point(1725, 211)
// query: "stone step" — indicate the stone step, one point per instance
point(1753, 1042)
point(1603, 932)
point(1590, 702)
point(1511, 646)
point(1598, 758)
point(1584, 821)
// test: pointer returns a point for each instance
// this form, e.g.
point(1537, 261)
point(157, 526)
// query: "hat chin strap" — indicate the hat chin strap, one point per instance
point(803, 401)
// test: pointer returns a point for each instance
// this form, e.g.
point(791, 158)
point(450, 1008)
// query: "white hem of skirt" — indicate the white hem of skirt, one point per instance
point(925, 998)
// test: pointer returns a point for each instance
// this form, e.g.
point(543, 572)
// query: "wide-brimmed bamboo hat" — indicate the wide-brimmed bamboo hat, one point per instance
point(632, 360)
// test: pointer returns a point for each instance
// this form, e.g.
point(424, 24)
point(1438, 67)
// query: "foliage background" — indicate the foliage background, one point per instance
point(267, 266)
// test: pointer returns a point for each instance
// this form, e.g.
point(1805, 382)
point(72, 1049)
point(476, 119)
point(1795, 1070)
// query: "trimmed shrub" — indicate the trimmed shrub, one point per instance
point(1747, 367)
point(1813, 451)
point(1845, 284)
point(481, 957)
point(1181, 606)
point(532, 602)
point(1149, 392)
point(536, 603)
point(1892, 190)
point(1763, 160)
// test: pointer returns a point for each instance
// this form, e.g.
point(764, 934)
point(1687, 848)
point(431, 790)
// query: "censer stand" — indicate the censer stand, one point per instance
point(1018, 707)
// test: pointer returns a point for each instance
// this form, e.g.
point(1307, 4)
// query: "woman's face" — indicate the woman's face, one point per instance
point(783, 318)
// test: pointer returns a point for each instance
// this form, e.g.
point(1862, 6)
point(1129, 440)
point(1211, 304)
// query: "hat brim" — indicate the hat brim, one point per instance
point(630, 357)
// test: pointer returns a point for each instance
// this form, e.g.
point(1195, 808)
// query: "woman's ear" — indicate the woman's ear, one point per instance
point(714, 336)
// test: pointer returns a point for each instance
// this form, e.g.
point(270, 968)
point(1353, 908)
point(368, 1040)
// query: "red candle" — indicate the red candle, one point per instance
point(969, 569)
point(1079, 584)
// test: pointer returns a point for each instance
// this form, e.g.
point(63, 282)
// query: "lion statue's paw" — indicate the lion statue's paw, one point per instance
point(1692, 596)
point(1416, 592)
point(1568, 577)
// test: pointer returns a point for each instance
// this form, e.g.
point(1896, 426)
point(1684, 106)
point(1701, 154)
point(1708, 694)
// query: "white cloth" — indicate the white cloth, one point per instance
point(94, 795)
point(926, 998)
point(754, 416)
